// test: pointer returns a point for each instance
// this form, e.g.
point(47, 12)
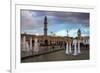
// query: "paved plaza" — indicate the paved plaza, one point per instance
point(58, 55)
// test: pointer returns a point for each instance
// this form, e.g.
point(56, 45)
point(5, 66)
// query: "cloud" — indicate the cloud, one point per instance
point(33, 22)
point(30, 22)
point(61, 33)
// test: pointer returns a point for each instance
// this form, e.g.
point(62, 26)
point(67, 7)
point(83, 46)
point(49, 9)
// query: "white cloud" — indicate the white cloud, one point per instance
point(73, 32)
point(61, 33)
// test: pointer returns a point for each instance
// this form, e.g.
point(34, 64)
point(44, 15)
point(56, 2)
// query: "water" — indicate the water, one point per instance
point(36, 46)
point(31, 44)
point(67, 49)
point(75, 48)
point(79, 51)
point(25, 45)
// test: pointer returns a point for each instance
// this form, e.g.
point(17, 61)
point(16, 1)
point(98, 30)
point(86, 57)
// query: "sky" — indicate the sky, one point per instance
point(32, 22)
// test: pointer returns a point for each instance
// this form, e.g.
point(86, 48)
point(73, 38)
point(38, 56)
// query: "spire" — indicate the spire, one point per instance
point(45, 20)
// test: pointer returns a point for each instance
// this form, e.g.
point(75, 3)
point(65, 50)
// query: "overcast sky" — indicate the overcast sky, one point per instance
point(32, 22)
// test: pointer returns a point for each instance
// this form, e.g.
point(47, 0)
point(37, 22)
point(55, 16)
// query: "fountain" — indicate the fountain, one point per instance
point(36, 46)
point(79, 47)
point(75, 49)
point(67, 48)
point(31, 43)
point(24, 44)
point(70, 49)
point(27, 47)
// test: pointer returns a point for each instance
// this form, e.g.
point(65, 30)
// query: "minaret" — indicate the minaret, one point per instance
point(45, 26)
